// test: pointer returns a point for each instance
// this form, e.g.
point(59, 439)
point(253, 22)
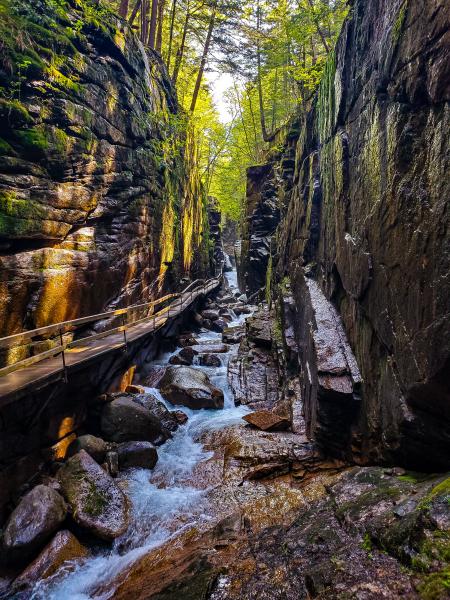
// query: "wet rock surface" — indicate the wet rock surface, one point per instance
point(96, 501)
point(94, 446)
point(237, 512)
point(137, 455)
point(39, 514)
point(315, 540)
point(363, 217)
point(190, 387)
point(253, 371)
point(82, 181)
point(125, 419)
point(64, 547)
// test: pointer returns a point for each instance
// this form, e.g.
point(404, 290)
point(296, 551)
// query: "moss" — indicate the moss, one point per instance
point(14, 112)
point(5, 148)
point(326, 100)
point(409, 477)
point(34, 140)
point(399, 22)
point(367, 543)
point(436, 586)
point(434, 548)
point(95, 501)
point(440, 490)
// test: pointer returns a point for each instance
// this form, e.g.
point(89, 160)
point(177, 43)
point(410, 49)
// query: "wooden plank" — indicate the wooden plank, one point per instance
point(31, 360)
point(96, 336)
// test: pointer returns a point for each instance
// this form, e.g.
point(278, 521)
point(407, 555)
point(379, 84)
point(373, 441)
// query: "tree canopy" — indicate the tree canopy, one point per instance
point(274, 50)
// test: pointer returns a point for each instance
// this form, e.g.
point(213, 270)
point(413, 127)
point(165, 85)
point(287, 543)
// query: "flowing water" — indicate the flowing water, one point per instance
point(165, 501)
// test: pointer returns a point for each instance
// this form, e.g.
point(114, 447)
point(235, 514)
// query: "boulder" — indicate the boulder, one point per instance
point(187, 355)
point(97, 502)
point(137, 455)
point(177, 359)
point(267, 421)
point(243, 298)
point(125, 420)
point(210, 360)
point(211, 315)
point(154, 376)
point(190, 387)
point(187, 340)
point(111, 465)
point(157, 408)
point(94, 446)
point(233, 335)
point(36, 518)
point(215, 347)
point(134, 389)
point(219, 325)
point(259, 330)
point(180, 416)
point(64, 547)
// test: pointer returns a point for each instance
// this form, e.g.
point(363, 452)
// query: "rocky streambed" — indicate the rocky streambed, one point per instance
point(203, 484)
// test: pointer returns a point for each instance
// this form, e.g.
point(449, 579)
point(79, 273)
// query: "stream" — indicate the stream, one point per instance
point(165, 501)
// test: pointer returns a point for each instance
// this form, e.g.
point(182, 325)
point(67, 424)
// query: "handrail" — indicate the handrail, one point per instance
point(14, 340)
point(65, 326)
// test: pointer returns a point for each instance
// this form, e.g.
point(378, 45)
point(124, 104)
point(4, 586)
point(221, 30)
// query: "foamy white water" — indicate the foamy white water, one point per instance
point(164, 501)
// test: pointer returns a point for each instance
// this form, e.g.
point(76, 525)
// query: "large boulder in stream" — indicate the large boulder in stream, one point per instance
point(94, 446)
point(97, 502)
point(125, 420)
point(63, 548)
point(190, 387)
point(162, 413)
point(36, 518)
point(137, 455)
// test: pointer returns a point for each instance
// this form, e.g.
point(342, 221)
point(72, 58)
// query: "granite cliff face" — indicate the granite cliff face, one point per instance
point(100, 203)
point(362, 246)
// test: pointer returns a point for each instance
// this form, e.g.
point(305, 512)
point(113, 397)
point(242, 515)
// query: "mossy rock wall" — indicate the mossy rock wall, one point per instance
point(100, 201)
point(365, 214)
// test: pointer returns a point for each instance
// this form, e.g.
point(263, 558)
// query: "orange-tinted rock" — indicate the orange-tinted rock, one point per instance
point(267, 421)
point(63, 547)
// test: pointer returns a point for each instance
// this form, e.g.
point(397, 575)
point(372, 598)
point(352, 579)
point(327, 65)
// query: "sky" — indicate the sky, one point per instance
point(219, 83)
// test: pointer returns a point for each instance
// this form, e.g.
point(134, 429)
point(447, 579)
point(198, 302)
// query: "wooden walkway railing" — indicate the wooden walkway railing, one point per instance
point(129, 317)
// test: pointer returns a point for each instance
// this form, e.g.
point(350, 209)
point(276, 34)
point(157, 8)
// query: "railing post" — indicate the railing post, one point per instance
point(124, 325)
point(63, 356)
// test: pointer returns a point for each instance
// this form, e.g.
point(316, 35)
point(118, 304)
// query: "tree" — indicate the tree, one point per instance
point(204, 58)
point(153, 24)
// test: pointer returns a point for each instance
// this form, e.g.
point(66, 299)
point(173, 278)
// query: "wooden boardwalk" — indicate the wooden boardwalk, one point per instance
point(18, 382)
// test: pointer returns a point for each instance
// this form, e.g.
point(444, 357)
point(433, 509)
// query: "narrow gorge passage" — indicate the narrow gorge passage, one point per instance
point(224, 300)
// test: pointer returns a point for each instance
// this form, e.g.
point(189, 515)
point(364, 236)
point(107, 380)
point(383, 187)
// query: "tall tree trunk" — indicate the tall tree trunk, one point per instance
point(153, 24)
point(134, 12)
point(123, 8)
point(172, 25)
point(144, 20)
point(262, 116)
point(180, 51)
point(159, 36)
point(206, 48)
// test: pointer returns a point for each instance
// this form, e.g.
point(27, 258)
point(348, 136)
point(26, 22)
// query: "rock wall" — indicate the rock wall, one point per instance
point(100, 202)
point(260, 221)
point(363, 242)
